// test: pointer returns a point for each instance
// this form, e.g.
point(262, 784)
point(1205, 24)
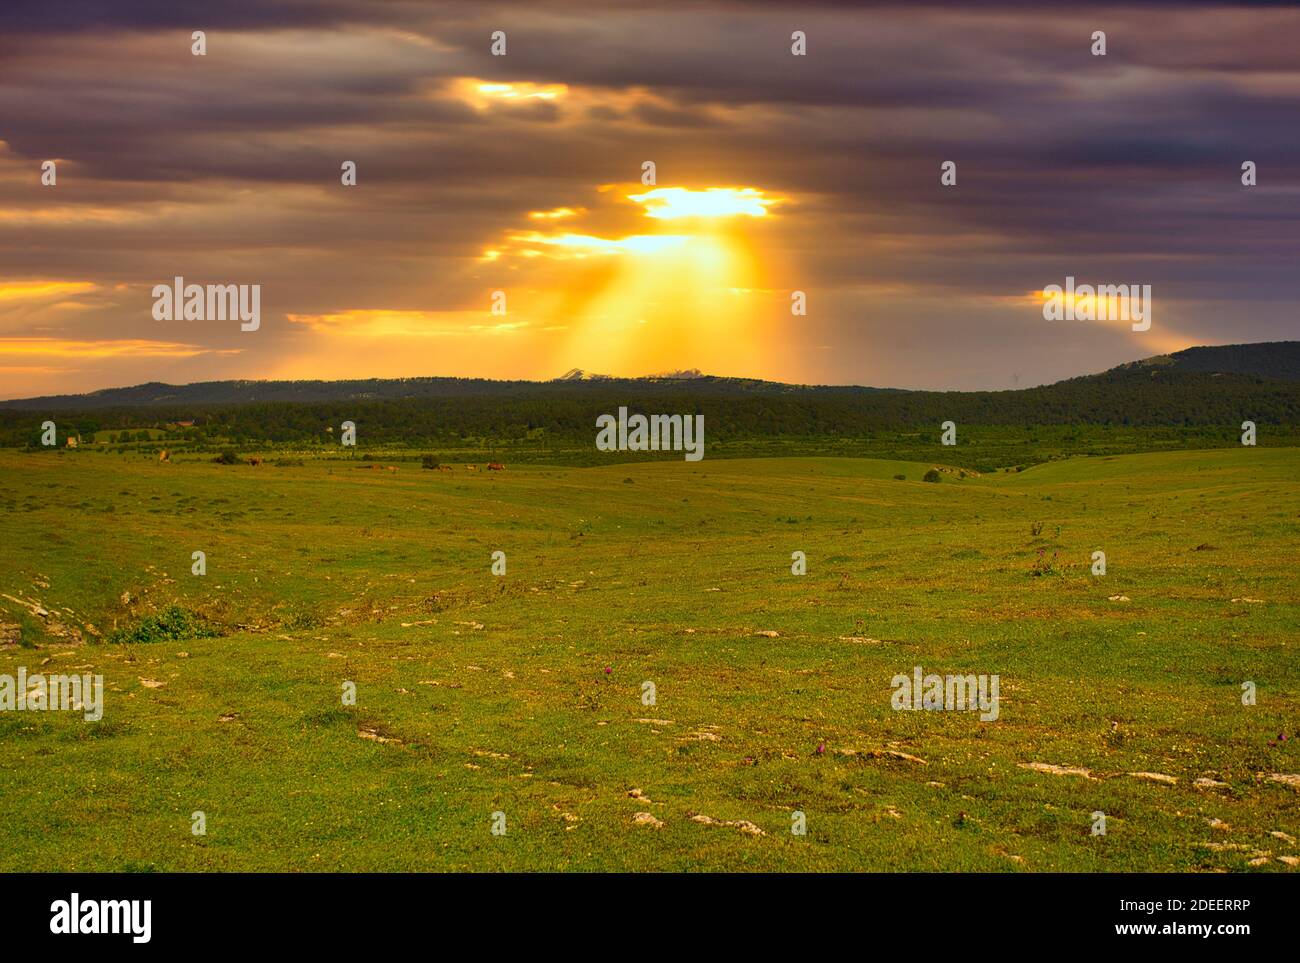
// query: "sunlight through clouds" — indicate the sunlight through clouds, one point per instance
point(669, 203)
point(484, 93)
point(584, 244)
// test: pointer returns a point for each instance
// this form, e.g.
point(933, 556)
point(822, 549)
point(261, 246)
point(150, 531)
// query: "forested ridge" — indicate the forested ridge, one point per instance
point(1157, 393)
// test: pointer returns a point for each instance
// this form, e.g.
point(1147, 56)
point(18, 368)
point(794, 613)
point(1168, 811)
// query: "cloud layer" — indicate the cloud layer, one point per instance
point(226, 169)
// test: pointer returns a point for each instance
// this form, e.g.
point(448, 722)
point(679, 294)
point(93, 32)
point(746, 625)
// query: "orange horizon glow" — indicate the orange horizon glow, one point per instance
point(125, 347)
point(23, 290)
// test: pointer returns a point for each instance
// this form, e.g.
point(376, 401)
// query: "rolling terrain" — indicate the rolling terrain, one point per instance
point(523, 693)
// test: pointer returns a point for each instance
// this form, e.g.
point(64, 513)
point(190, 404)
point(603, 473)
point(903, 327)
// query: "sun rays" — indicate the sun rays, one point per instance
point(631, 301)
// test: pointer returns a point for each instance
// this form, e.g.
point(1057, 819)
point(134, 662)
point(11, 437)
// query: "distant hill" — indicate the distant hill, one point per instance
point(1182, 373)
point(685, 374)
point(1183, 395)
point(1267, 359)
point(158, 395)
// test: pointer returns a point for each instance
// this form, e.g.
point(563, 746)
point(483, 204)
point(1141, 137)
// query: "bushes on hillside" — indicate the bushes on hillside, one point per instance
point(172, 624)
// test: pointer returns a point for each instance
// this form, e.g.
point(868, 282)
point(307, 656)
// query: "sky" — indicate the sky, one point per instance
point(501, 225)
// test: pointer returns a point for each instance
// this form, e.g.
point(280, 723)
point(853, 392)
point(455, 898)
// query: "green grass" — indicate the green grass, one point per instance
point(479, 693)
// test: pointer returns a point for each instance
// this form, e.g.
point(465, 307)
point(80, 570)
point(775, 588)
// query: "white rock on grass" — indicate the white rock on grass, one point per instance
point(744, 825)
point(1057, 770)
point(1155, 777)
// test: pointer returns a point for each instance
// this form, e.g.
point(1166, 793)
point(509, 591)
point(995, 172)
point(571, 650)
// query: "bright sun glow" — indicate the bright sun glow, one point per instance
point(483, 93)
point(584, 244)
point(521, 91)
point(558, 214)
point(668, 203)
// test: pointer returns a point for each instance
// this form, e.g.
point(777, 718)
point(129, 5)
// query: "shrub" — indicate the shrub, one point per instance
point(227, 458)
point(932, 475)
point(296, 621)
point(1045, 566)
point(900, 478)
point(429, 462)
point(172, 624)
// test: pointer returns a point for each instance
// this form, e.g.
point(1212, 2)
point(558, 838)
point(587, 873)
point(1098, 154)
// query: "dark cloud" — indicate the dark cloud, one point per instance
point(38, 16)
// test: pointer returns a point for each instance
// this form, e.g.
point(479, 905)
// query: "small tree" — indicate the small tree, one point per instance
point(429, 462)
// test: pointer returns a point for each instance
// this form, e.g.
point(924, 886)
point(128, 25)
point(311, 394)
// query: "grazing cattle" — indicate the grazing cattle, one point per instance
point(255, 461)
point(164, 455)
point(444, 468)
point(496, 466)
point(471, 467)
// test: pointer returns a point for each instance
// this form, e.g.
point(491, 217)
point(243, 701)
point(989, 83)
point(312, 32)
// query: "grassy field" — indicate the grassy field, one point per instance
point(522, 693)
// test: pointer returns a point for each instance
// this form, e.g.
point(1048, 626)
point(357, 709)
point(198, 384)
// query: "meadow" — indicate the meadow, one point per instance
point(522, 693)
